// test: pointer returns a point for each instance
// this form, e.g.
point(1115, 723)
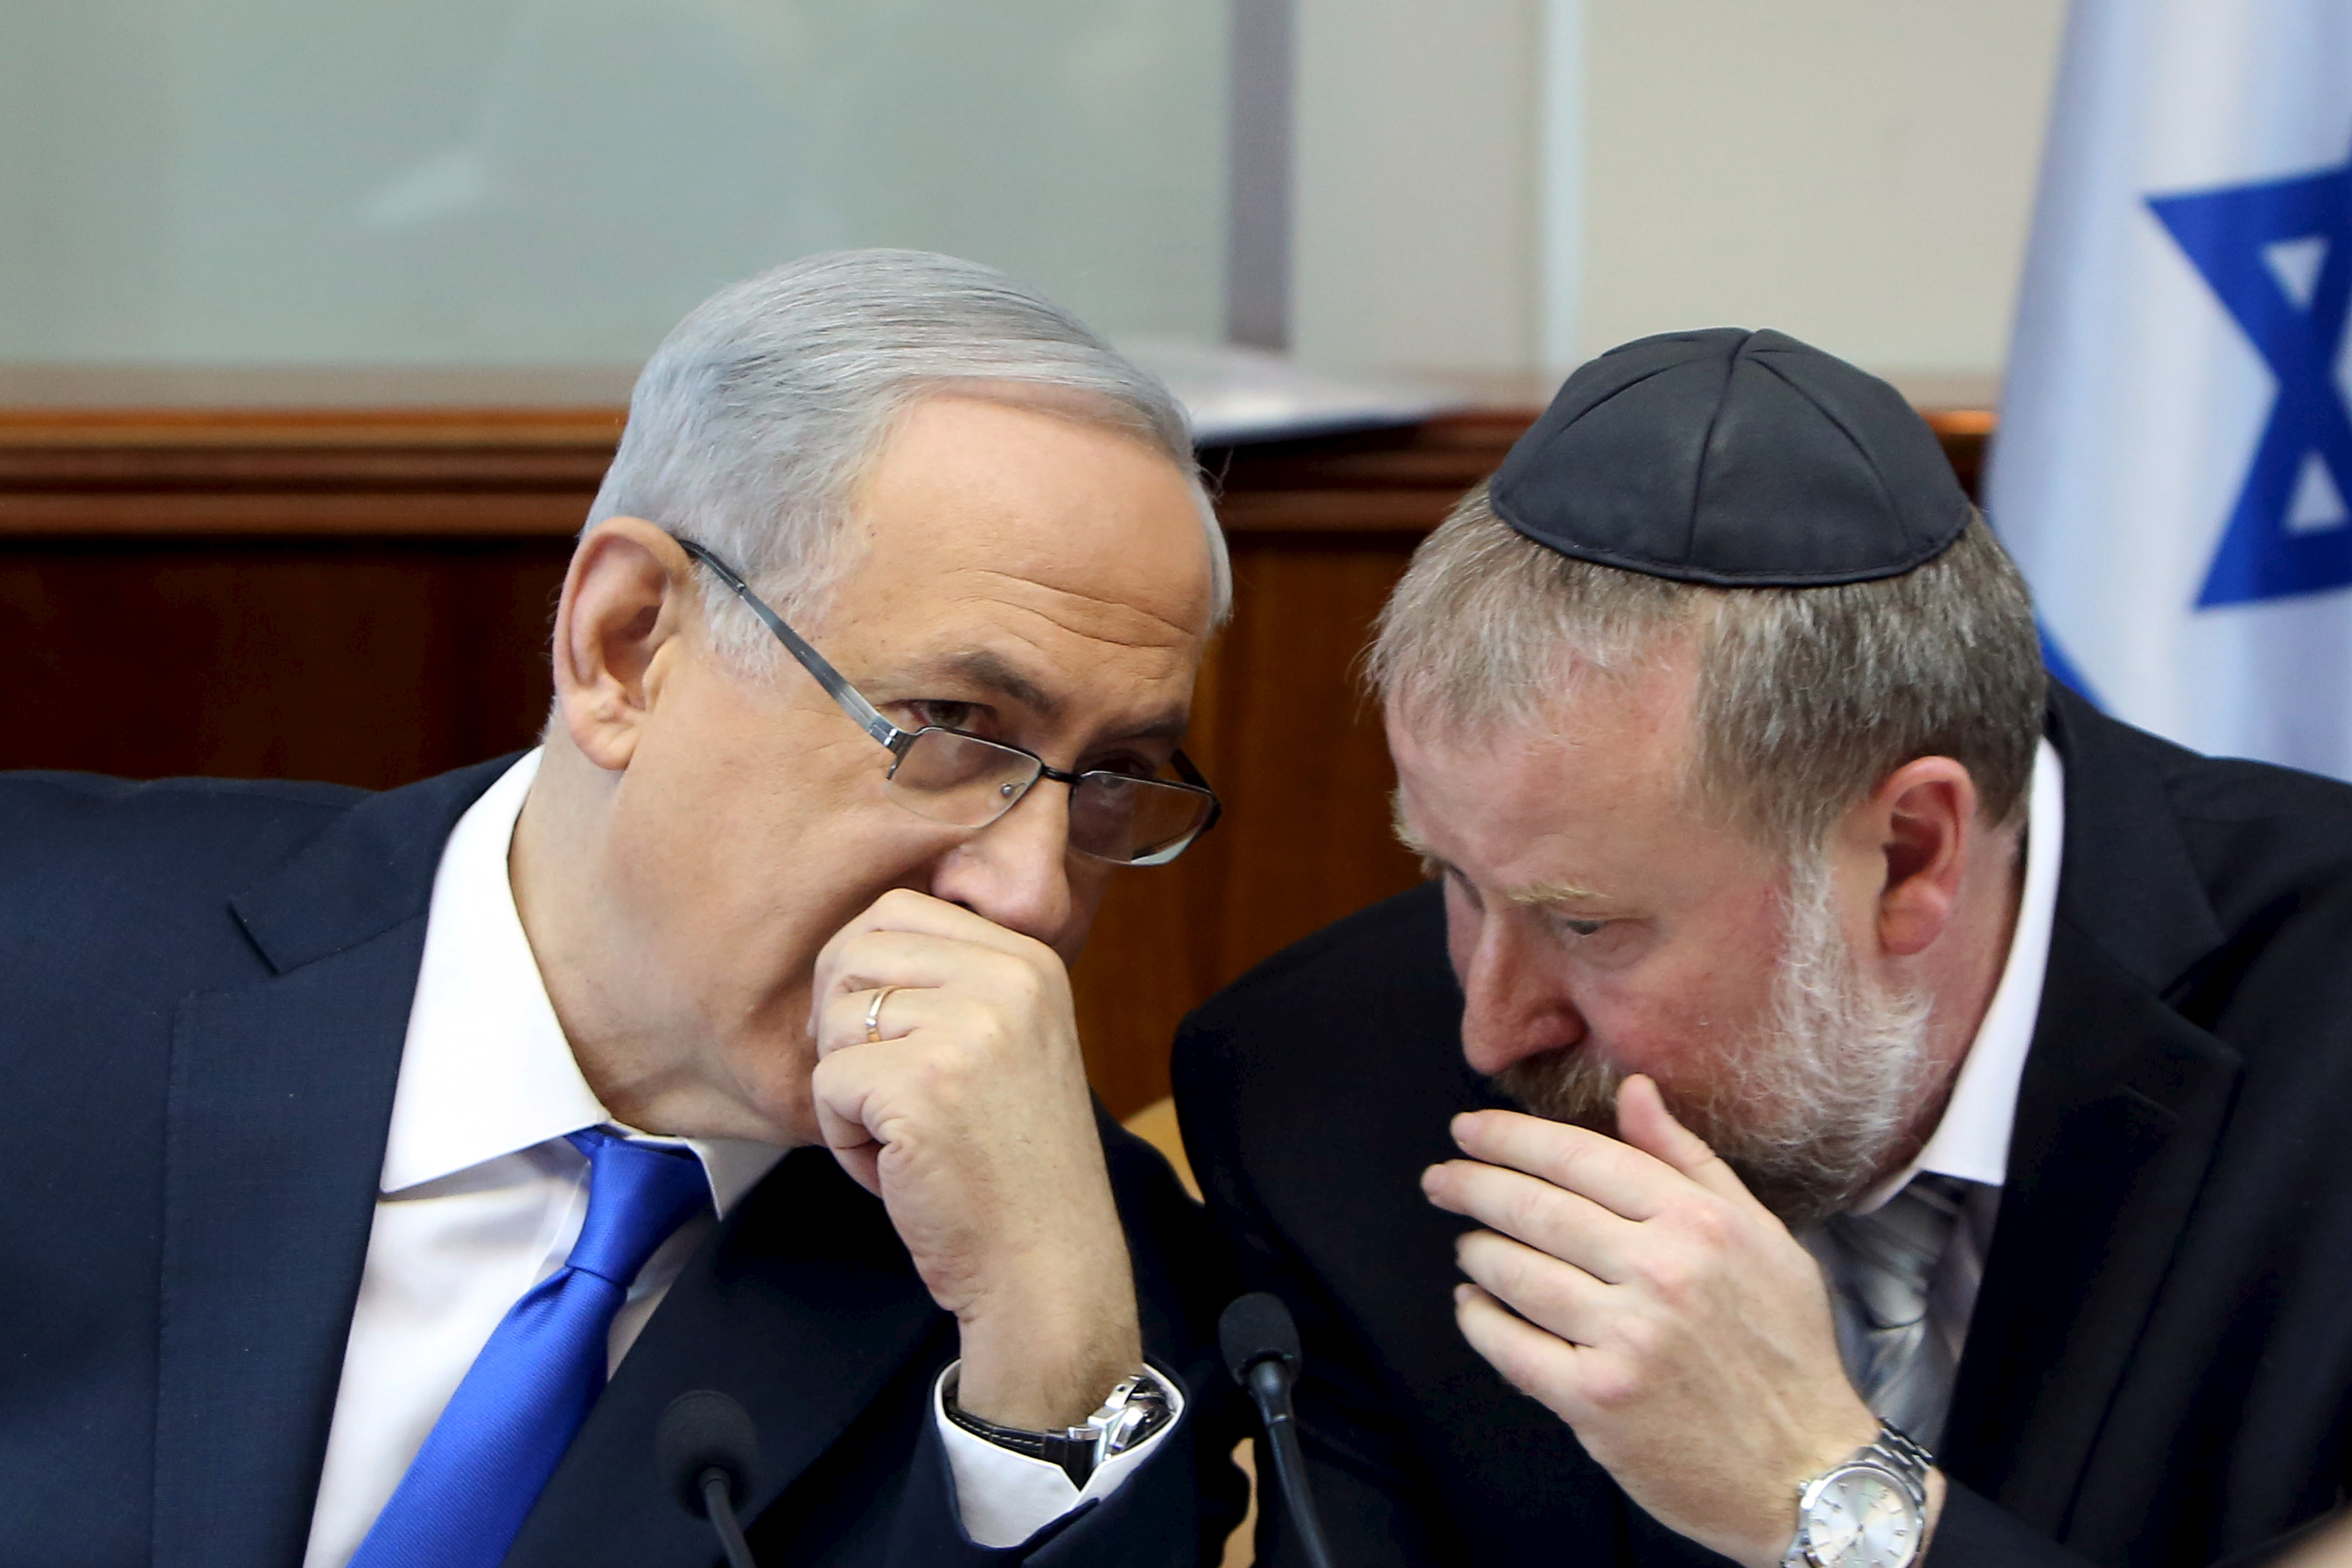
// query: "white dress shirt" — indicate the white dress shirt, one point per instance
point(482, 1197)
point(1971, 1140)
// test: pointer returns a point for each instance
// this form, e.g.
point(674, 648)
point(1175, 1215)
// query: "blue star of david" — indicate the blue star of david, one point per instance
point(2226, 233)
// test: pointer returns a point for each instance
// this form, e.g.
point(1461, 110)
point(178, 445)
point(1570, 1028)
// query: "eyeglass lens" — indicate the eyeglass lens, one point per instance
point(966, 781)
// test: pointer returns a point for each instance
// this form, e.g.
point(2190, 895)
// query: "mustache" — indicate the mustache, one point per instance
point(1573, 1084)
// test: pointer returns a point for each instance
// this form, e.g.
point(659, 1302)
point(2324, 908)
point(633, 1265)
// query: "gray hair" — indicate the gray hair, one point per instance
point(752, 423)
point(1806, 698)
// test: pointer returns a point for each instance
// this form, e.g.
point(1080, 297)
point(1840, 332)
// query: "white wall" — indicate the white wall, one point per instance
point(535, 181)
point(1413, 195)
point(1857, 172)
point(558, 181)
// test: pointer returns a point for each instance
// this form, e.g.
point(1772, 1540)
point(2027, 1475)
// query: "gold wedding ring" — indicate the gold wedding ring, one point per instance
point(873, 1015)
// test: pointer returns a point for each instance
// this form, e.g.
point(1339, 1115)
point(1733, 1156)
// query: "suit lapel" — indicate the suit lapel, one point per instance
point(280, 1097)
point(2118, 1111)
point(804, 1307)
point(2121, 1105)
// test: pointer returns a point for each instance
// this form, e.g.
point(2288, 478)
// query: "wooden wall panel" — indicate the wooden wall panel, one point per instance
point(363, 663)
point(363, 595)
point(1304, 772)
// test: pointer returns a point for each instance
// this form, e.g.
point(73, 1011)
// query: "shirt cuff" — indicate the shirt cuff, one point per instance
point(1004, 1498)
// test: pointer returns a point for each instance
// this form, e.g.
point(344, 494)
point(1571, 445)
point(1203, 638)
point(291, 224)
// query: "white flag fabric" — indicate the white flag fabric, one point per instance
point(2174, 459)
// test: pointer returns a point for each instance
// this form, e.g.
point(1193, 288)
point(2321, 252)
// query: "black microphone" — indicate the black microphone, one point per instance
point(1261, 1346)
point(707, 1449)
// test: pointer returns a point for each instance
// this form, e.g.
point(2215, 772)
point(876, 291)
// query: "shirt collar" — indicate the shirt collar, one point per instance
point(485, 1070)
point(1971, 1140)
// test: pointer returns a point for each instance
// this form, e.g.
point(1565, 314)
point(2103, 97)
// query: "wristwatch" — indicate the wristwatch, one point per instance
point(1868, 1512)
point(1137, 1408)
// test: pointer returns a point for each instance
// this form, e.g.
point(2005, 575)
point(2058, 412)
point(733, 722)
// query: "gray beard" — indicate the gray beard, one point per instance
point(1810, 1110)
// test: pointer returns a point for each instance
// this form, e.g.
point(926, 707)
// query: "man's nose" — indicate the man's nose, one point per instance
point(1016, 871)
point(1514, 1003)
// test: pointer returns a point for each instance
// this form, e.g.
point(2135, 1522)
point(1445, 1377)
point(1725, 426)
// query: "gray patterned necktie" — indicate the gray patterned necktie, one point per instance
point(1904, 1276)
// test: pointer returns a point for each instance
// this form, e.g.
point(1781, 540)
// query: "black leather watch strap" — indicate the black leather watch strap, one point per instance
point(1137, 1408)
point(1076, 1459)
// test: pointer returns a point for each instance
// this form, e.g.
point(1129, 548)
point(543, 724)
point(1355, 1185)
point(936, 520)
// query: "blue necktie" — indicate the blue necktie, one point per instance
point(483, 1464)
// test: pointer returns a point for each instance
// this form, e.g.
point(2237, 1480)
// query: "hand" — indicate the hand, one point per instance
point(1642, 1293)
point(970, 1118)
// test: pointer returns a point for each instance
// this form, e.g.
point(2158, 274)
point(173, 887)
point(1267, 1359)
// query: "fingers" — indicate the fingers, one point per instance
point(1645, 1124)
point(863, 1164)
point(1639, 1292)
point(1537, 1364)
point(863, 1105)
point(1009, 986)
point(840, 1104)
point(841, 1018)
point(953, 947)
point(1550, 1218)
point(1627, 1181)
point(904, 910)
point(862, 960)
point(1557, 1297)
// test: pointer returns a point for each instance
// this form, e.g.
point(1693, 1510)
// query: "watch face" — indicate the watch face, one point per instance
point(1862, 1519)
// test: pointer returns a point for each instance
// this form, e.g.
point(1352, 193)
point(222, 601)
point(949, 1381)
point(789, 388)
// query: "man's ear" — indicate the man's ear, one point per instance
point(626, 597)
point(1923, 820)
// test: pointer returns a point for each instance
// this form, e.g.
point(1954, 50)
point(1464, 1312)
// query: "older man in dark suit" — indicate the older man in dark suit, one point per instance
point(722, 1042)
point(1937, 1087)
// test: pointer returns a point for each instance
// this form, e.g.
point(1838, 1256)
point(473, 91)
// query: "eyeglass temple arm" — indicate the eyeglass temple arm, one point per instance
point(820, 670)
point(1193, 776)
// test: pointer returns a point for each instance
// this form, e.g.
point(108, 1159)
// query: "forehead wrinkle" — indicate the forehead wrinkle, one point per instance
point(1175, 629)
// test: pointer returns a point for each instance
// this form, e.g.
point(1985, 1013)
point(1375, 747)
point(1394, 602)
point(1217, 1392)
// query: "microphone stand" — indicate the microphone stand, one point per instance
point(1269, 1387)
point(1261, 1348)
point(718, 1506)
point(706, 1450)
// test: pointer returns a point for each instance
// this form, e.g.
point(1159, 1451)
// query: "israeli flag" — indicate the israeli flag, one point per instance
point(2174, 459)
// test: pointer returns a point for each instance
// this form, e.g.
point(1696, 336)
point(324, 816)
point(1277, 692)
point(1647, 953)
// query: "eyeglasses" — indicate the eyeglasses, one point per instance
point(964, 781)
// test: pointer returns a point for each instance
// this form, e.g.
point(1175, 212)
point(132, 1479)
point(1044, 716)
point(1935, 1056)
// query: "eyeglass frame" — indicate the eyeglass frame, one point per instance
point(896, 741)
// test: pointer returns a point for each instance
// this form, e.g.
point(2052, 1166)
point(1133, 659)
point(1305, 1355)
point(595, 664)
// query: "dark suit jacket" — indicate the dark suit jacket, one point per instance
point(2157, 1369)
point(204, 992)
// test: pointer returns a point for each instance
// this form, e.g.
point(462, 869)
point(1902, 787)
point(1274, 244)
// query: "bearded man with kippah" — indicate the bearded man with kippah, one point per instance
point(1874, 1108)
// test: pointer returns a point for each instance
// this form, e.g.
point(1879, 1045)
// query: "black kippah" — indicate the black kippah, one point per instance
point(1743, 459)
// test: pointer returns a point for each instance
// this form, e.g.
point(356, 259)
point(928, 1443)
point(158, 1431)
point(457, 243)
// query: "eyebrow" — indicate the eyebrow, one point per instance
point(1544, 894)
point(991, 672)
point(1539, 895)
point(1414, 842)
point(1432, 864)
